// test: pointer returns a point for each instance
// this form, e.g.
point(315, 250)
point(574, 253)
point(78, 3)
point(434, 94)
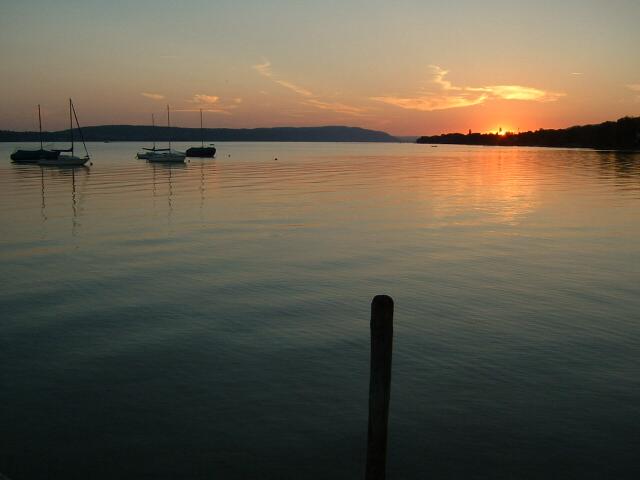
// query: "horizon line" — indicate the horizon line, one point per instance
point(321, 126)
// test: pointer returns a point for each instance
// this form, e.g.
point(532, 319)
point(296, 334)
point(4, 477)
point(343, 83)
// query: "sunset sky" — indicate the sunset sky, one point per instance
point(405, 67)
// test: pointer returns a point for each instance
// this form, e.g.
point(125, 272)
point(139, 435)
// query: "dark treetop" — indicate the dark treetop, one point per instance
point(623, 134)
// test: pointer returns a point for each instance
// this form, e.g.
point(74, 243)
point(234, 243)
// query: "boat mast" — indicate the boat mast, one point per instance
point(71, 126)
point(169, 129)
point(153, 129)
point(86, 152)
point(201, 132)
point(40, 126)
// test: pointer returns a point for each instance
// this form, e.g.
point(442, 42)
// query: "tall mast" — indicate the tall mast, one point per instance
point(40, 126)
point(71, 126)
point(201, 132)
point(169, 129)
point(84, 144)
point(153, 129)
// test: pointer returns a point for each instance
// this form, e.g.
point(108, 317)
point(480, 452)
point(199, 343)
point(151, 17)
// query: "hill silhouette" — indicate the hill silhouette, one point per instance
point(148, 133)
point(623, 134)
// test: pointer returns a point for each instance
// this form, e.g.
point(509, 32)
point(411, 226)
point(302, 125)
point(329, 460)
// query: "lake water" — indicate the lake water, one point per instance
point(210, 320)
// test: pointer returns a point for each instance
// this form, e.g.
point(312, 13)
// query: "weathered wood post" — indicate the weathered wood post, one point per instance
point(379, 385)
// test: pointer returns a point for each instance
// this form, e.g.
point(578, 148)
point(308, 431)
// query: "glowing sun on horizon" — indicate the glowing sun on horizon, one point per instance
point(502, 131)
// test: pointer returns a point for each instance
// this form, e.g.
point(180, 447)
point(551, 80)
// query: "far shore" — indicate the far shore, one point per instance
point(621, 135)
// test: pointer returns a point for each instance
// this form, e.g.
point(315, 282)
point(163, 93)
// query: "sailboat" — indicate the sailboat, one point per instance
point(167, 155)
point(201, 151)
point(32, 156)
point(69, 160)
point(148, 151)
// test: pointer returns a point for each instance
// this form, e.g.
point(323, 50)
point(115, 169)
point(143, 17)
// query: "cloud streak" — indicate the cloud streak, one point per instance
point(201, 98)
point(443, 95)
point(204, 110)
point(309, 98)
point(153, 96)
point(211, 103)
point(335, 107)
point(635, 88)
point(265, 70)
point(518, 92)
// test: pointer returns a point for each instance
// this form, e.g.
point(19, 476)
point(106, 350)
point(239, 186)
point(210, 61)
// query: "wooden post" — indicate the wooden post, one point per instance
point(379, 385)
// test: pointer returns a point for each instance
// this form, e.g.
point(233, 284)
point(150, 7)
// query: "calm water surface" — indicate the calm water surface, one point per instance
point(210, 320)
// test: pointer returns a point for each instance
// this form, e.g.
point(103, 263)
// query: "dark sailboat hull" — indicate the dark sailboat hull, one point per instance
point(33, 156)
point(204, 152)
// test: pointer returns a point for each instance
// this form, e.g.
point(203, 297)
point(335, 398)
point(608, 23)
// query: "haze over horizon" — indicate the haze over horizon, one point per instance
point(408, 68)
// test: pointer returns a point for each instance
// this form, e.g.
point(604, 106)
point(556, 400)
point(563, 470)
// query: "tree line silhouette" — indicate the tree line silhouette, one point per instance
point(623, 134)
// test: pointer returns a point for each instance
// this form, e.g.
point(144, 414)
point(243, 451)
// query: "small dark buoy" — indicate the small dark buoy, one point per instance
point(276, 158)
point(229, 155)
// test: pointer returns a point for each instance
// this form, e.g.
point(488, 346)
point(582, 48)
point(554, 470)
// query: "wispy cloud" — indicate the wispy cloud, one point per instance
point(265, 70)
point(210, 103)
point(635, 87)
point(442, 94)
point(309, 98)
point(153, 96)
point(430, 102)
point(201, 98)
point(335, 107)
point(518, 92)
point(205, 110)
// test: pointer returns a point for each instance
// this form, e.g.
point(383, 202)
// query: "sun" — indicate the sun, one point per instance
point(502, 131)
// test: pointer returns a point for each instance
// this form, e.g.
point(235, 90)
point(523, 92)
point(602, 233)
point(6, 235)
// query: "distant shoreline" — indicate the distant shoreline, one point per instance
point(621, 135)
point(558, 147)
point(144, 133)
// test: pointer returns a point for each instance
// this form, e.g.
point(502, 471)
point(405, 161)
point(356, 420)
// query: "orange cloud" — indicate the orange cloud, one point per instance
point(517, 92)
point(202, 98)
point(431, 102)
point(444, 95)
point(211, 103)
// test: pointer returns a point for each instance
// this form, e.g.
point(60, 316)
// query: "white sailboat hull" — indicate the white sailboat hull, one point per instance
point(150, 151)
point(68, 160)
point(172, 156)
